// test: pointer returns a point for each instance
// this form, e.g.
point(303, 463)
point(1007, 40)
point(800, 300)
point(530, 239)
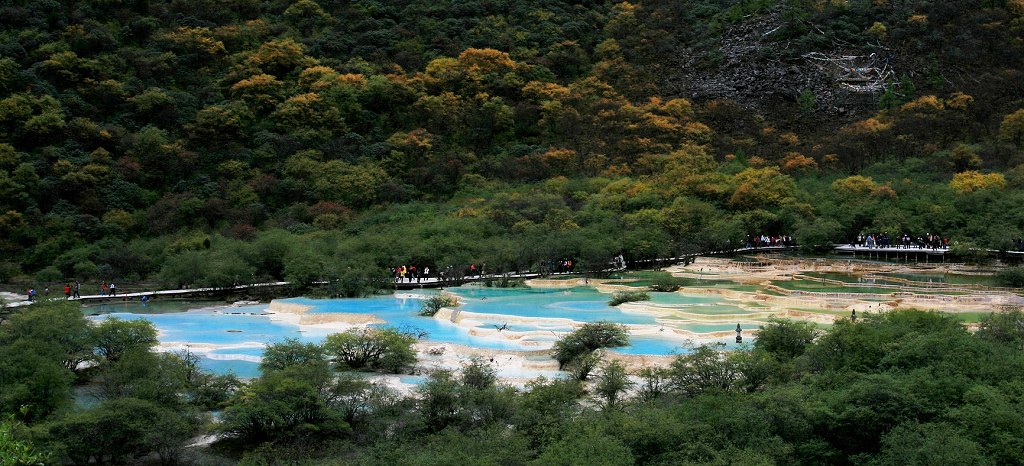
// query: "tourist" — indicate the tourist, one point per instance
point(31, 294)
point(76, 290)
point(104, 289)
point(113, 289)
point(67, 291)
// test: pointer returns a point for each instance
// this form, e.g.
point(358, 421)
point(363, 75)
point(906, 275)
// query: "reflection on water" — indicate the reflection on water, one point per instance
point(153, 307)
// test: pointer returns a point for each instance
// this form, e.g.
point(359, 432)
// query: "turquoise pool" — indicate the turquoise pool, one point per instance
point(640, 345)
point(241, 368)
point(217, 327)
point(401, 311)
point(231, 339)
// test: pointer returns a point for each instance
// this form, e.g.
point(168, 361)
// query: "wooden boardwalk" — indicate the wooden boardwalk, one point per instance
point(926, 254)
point(166, 294)
point(404, 284)
point(887, 253)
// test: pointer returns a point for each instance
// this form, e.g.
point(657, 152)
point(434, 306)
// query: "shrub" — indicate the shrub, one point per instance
point(1012, 276)
point(292, 353)
point(1005, 327)
point(386, 349)
point(628, 297)
point(785, 338)
point(49, 274)
point(968, 252)
point(505, 282)
point(667, 285)
point(575, 350)
point(612, 382)
point(435, 303)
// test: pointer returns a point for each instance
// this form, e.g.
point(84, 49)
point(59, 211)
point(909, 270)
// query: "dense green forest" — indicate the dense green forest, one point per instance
point(903, 388)
point(213, 142)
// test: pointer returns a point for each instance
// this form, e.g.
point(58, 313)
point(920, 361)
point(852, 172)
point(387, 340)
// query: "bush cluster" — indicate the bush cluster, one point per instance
point(628, 296)
point(433, 304)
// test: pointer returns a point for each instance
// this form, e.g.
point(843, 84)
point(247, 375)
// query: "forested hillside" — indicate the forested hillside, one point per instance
point(211, 142)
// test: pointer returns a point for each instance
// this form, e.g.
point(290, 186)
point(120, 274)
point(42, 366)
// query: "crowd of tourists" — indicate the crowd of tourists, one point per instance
point(906, 241)
point(559, 266)
point(417, 274)
point(764, 241)
point(73, 291)
point(412, 273)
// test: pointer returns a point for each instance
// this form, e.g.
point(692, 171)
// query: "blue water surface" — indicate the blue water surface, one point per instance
point(578, 304)
point(247, 329)
point(402, 312)
point(241, 368)
point(221, 328)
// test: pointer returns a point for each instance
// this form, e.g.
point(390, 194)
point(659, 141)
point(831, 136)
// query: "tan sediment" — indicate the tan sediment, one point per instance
point(476, 318)
point(340, 318)
point(290, 308)
point(826, 306)
point(637, 361)
point(610, 288)
point(178, 345)
point(456, 348)
point(549, 283)
point(299, 314)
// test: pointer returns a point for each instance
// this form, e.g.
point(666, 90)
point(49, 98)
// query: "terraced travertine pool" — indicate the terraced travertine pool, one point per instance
point(232, 339)
point(947, 278)
point(900, 278)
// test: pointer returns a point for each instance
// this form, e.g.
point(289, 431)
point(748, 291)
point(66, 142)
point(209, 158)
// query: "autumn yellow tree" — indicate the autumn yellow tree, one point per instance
point(197, 43)
point(262, 92)
point(280, 57)
point(972, 181)
point(308, 116)
point(1012, 128)
point(854, 186)
point(761, 187)
point(797, 162)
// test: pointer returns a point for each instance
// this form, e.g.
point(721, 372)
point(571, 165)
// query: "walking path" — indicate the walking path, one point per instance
point(436, 282)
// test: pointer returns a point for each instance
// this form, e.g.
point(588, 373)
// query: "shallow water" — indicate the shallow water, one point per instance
point(232, 338)
point(401, 311)
point(153, 307)
point(222, 326)
point(839, 277)
point(953, 279)
point(243, 330)
point(641, 345)
point(819, 287)
point(241, 368)
point(715, 309)
point(578, 304)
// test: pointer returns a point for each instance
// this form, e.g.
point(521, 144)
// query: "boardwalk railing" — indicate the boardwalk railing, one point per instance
point(437, 282)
